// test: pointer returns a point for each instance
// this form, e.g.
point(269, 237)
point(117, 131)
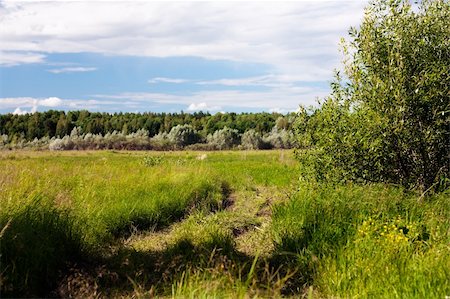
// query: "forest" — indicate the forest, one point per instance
point(60, 123)
point(82, 130)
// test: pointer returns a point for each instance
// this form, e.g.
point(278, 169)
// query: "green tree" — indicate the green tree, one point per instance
point(225, 138)
point(252, 140)
point(182, 135)
point(388, 117)
point(62, 127)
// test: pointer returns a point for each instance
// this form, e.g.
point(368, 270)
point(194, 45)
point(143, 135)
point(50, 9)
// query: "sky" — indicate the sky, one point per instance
point(140, 56)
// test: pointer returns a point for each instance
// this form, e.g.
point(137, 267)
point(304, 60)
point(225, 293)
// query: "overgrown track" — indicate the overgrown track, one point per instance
point(231, 225)
point(148, 228)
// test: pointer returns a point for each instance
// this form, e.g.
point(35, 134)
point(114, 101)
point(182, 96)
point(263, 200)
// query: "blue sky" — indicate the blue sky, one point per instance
point(169, 56)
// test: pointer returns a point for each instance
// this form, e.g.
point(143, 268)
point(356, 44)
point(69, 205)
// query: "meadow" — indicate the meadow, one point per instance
point(361, 208)
point(228, 224)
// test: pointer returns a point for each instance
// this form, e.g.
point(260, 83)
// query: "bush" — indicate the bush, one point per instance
point(280, 138)
point(56, 145)
point(161, 141)
point(179, 137)
point(388, 117)
point(182, 135)
point(252, 140)
point(224, 139)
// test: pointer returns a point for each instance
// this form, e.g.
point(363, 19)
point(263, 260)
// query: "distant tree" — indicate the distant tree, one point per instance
point(125, 129)
point(58, 123)
point(62, 127)
point(280, 138)
point(182, 135)
point(252, 140)
point(282, 123)
point(225, 138)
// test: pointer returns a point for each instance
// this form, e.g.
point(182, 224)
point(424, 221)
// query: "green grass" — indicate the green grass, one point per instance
point(111, 195)
point(224, 225)
point(97, 200)
point(37, 241)
point(369, 241)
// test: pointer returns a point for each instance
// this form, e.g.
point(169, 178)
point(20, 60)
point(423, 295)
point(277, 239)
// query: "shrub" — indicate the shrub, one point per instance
point(56, 145)
point(161, 141)
point(252, 140)
point(280, 138)
point(182, 135)
point(224, 139)
point(388, 117)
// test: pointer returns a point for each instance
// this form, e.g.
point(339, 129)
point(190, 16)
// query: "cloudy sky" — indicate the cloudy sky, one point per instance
point(169, 56)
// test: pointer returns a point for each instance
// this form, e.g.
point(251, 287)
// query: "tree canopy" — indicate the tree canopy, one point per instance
point(388, 116)
point(60, 123)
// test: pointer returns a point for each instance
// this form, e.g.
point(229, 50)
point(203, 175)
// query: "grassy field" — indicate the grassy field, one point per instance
point(236, 224)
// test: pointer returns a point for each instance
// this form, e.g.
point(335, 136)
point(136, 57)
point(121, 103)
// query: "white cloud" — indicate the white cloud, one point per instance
point(23, 105)
point(276, 100)
point(8, 58)
point(286, 99)
point(50, 102)
point(166, 80)
point(271, 80)
point(72, 70)
point(30, 102)
point(296, 41)
point(281, 110)
point(295, 38)
point(202, 107)
point(255, 81)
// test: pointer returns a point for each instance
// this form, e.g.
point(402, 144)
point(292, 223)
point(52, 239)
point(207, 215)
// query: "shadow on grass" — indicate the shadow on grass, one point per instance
point(128, 272)
point(44, 254)
point(124, 225)
point(37, 243)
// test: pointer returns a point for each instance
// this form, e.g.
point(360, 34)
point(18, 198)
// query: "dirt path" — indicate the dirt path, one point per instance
point(223, 243)
point(246, 217)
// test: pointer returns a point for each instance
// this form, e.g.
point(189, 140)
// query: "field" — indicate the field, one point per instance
point(237, 224)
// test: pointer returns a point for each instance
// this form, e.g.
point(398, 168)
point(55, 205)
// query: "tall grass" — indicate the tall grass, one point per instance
point(112, 195)
point(59, 209)
point(55, 209)
point(156, 205)
point(37, 242)
point(368, 241)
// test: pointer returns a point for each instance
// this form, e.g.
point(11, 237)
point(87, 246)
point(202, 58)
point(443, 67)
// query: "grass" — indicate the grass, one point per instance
point(108, 198)
point(231, 225)
point(37, 241)
point(370, 241)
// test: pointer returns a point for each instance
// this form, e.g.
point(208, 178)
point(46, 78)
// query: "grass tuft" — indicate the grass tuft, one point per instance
point(37, 243)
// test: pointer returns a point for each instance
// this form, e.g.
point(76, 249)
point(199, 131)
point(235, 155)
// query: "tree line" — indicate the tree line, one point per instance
point(54, 123)
point(81, 130)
